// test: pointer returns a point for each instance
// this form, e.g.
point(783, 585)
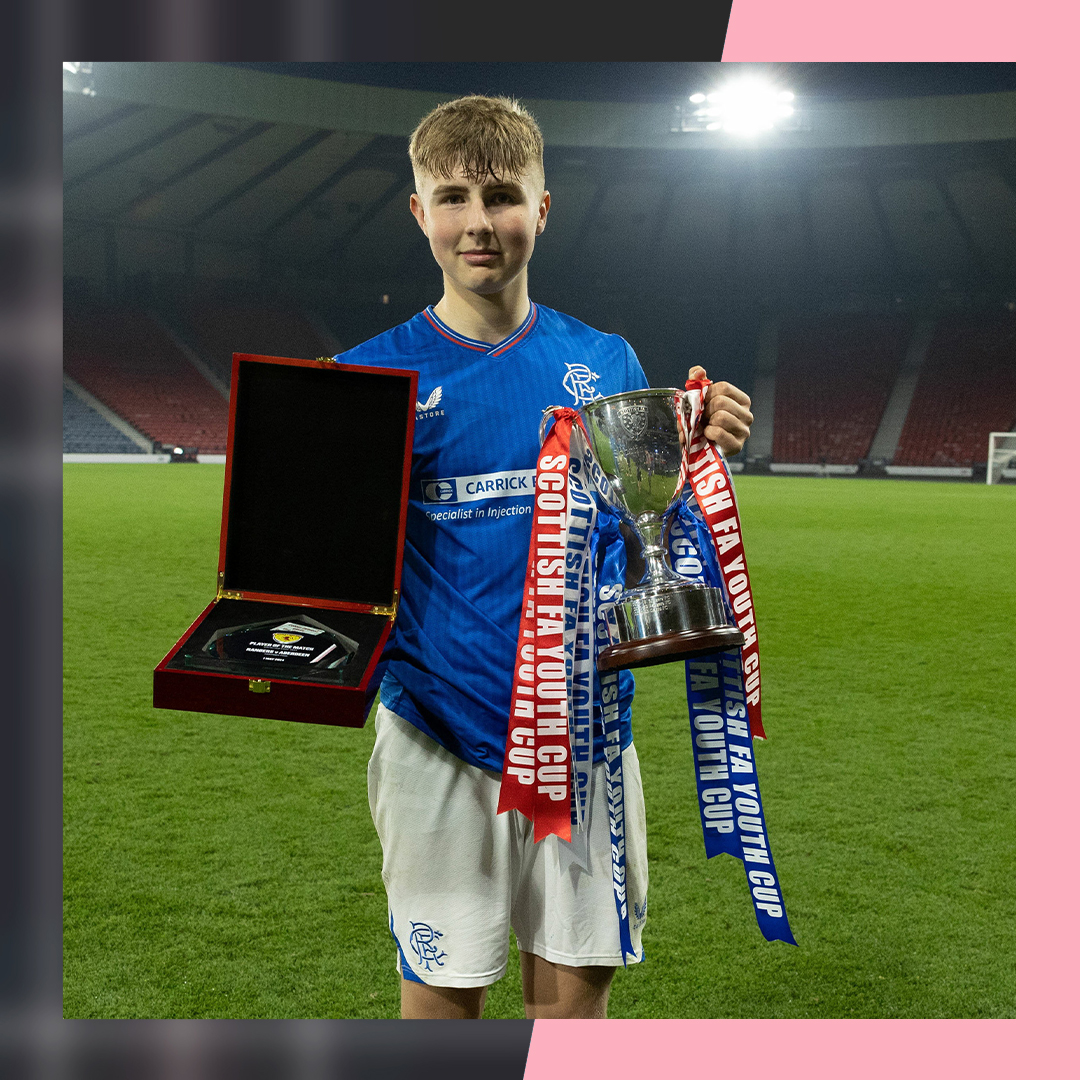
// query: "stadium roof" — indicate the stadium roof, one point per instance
point(657, 82)
point(299, 173)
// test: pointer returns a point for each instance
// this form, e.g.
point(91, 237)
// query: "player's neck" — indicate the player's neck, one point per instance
point(489, 318)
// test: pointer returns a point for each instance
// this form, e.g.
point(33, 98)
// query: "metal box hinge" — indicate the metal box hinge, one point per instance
point(226, 594)
point(387, 609)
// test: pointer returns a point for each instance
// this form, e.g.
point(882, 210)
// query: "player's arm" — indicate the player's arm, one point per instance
point(727, 414)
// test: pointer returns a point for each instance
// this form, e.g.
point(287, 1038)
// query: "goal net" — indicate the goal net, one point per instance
point(1001, 457)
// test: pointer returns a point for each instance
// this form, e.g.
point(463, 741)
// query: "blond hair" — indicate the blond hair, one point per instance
point(482, 136)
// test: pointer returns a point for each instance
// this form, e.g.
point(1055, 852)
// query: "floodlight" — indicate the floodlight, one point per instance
point(79, 77)
point(744, 105)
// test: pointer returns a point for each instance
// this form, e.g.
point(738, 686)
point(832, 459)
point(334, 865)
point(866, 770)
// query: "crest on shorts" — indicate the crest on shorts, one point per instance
point(423, 940)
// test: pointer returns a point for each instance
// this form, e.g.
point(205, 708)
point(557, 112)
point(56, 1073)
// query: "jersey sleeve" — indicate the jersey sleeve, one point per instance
point(635, 377)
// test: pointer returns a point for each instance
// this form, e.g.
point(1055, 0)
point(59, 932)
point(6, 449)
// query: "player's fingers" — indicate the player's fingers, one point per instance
point(725, 405)
point(697, 372)
point(728, 390)
point(735, 420)
point(728, 431)
point(728, 443)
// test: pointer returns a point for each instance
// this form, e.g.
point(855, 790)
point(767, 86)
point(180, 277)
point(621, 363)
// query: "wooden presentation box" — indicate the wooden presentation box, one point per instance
point(312, 524)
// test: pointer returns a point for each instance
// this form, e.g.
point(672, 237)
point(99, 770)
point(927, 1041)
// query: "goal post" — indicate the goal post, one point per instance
point(1001, 456)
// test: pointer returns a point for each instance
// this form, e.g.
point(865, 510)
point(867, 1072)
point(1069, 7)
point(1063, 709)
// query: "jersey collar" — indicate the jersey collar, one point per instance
point(483, 346)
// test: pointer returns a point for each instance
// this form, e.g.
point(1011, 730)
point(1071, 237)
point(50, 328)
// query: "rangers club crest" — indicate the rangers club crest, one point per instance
point(423, 941)
point(578, 381)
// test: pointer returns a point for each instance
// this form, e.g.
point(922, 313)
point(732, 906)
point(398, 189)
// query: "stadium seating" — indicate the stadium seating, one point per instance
point(833, 378)
point(966, 389)
point(216, 330)
point(129, 363)
point(88, 432)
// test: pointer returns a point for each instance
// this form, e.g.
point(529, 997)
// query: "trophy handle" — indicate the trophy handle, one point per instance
point(682, 402)
point(544, 420)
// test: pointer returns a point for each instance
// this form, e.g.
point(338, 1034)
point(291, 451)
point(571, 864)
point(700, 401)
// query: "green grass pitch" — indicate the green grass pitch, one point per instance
point(226, 867)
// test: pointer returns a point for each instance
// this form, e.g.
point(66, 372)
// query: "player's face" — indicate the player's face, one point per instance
point(482, 234)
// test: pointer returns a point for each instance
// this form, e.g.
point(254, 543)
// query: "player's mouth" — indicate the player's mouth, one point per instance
point(479, 257)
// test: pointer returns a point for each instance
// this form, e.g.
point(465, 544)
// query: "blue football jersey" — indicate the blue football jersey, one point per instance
point(448, 665)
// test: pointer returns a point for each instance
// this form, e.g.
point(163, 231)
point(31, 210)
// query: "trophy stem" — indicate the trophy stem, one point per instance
point(651, 529)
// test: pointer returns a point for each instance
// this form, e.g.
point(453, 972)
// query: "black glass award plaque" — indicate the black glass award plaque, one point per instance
point(294, 647)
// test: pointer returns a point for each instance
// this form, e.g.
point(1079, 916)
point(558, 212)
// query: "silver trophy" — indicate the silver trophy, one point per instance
point(635, 437)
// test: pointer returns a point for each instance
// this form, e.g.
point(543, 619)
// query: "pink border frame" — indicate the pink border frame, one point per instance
point(1039, 37)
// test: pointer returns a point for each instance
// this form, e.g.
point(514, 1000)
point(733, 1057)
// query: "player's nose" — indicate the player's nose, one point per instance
point(478, 220)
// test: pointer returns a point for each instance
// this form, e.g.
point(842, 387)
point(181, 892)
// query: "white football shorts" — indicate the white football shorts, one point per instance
point(459, 876)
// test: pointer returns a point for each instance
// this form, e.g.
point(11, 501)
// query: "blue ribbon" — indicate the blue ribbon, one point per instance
point(595, 568)
point(609, 558)
point(729, 794)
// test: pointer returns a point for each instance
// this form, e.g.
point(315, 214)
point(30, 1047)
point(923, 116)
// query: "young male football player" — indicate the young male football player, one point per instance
point(459, 875)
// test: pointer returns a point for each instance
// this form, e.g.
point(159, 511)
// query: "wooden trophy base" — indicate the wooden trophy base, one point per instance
point(667, 648)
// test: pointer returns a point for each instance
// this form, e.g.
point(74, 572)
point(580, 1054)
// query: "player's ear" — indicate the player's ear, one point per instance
point(545, 205)
point(417, 209)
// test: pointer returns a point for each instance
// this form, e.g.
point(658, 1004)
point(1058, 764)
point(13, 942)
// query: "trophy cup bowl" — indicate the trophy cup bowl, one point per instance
point(665, 617)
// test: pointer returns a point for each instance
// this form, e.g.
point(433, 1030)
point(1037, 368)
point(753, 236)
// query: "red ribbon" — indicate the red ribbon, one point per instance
point(705, 468)
point(536, 776)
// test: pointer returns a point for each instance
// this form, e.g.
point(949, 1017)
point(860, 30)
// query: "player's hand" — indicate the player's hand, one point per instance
point(727, 414)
